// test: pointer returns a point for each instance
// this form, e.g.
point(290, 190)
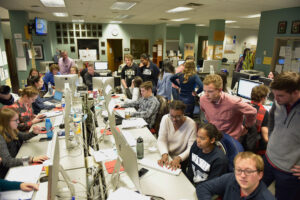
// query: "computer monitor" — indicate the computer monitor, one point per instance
point(265, 81)
point(245, 88)
point(60, 81)
point(98, 83)
point(180, 62)
point(236, 77)
point(101, 65)
point(54, 168)
point(281, 61)
point(41, 26)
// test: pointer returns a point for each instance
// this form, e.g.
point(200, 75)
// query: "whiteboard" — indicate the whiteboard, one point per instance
point(88, 55)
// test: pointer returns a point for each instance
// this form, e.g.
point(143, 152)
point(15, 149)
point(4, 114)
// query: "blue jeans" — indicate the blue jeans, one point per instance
point(189, 101)
point(175, 94)
point(287, 186)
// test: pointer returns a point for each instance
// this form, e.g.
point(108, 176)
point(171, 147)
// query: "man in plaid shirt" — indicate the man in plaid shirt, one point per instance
point(147, 106)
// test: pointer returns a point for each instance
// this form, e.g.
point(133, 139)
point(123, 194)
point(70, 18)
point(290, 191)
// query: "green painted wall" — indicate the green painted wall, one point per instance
point(18, 19)
point(173, 33)
point(160, 33)
point(215, 25)
point(187, 35)
point(268, 32)
point(2, 46)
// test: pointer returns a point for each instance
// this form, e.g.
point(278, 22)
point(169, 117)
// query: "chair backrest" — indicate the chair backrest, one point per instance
point(162, 110)
point(232, 148)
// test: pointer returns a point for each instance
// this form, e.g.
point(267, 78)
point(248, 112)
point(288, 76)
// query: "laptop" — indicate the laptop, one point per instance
point(57, 97)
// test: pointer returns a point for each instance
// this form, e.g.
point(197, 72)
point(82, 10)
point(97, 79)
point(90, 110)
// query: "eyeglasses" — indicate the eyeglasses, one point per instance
point(247, 172)
point(16, 120)
point(178, 117)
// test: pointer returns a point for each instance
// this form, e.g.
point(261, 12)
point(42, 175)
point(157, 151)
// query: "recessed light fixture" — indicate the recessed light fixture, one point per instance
point(122, 16)
point(53, 3)
point(180, 19)
point(78, 20)
point(122, 5)
point(115, 22)
point(200, 25)
point(229, 21)
point(179, 9)
point(251, 16)
point(60, 14)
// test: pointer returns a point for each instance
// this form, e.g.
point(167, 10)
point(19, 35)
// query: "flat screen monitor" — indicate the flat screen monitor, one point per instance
point(281, 61)
point(100, 65)
point(180, 62)
point(100, 83)
point(41, 26)
point(53, 167)
point(60, 81)
point(245, 88)
point(236, 77)
point(265, 81)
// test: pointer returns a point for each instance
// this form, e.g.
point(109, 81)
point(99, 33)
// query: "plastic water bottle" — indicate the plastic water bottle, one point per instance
point(50, 90)
point(140, 148)
point(48, 126)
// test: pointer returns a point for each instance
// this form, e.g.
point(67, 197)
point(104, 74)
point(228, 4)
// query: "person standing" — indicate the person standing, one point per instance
point(88, 77)
point(65, 63)
point(282, 159)
point(129, 71)
point(164, 85)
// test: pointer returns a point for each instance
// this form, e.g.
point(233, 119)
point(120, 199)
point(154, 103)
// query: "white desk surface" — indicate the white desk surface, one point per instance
point(155, 183)
point(78, 175)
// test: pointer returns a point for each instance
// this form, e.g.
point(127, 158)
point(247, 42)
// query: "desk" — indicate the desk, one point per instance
point(154, 182)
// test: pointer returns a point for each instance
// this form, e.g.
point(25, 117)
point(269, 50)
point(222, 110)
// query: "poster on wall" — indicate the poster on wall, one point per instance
point(230, 44)
point(88, 55)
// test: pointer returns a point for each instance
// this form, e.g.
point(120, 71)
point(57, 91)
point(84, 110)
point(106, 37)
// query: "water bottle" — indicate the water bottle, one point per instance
point(140, 148)
point(50, 90)
point(49, 128)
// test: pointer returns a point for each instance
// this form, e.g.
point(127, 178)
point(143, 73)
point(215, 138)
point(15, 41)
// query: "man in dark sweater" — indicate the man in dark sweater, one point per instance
point(244, 183)
point(88, 77)
point(129, 71)
point(148, 71)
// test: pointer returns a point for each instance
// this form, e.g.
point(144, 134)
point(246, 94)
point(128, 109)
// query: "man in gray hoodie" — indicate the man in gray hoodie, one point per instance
point(282, 161)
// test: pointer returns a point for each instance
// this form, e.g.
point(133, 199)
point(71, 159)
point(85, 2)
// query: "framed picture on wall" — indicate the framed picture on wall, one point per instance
point(38, 49)
point(295, 27)
point(281, 27)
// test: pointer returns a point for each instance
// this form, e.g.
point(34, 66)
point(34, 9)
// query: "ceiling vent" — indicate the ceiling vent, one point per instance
point(163, 19)
point(77, 15)
point(193, 4)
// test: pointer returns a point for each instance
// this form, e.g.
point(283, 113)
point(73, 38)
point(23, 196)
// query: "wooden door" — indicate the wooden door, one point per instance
point(13, 74)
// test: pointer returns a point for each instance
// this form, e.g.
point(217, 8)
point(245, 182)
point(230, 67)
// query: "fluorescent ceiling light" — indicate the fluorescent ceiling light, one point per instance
point(78, 20)
point(200, 25)
point(251, 16)
point(122, 16)
point(180, 19)
point(115, 22)
point(179, 9)
point(122, 5)
point(53, 3)
point(60, 14)
point(229, 21)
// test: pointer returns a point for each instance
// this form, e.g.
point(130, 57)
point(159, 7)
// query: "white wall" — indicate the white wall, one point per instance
point(242, 35)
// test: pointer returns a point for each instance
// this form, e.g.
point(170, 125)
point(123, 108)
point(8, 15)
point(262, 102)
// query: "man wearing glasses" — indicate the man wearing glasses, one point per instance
point(177, 134)
point(224, 111)
point(244, 183)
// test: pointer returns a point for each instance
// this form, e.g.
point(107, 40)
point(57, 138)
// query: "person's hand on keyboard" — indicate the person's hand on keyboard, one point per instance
point(164, 160)
point(39, 159)
point(174, 164)
point(27, 187)
point(36, 120)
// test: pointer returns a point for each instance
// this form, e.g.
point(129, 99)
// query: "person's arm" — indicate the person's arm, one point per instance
point(132, 103)
point(192, 138)
point(155, 74)
point(248, 111)
point(7, 160)
point(174, 78)
point(264, 127)
point(23, 126)
point(123, 78)
point(169, 87)
point(88, 80)
point(271, 122)
point(207, 189)
point(150, 110)
point(162, 141)
point(9, 185)
point(26, 136)
point(199, 83)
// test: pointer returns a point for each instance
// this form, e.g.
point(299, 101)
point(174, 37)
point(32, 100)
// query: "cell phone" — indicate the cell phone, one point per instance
point(142, 171)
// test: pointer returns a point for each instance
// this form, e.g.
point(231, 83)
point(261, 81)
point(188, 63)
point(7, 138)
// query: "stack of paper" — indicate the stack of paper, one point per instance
point(126, 194)
point(134, 123)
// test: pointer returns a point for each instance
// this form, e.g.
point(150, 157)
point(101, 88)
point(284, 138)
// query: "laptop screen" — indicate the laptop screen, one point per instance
point(58, 95)
point(245, 88)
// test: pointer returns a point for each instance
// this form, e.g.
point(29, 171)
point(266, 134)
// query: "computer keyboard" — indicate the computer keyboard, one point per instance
point(154, 165)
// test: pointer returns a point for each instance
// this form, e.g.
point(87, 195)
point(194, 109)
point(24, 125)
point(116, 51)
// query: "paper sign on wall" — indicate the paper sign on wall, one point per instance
point(21, 64)
point(1, 60)
point(4, 58)
point(267, 60)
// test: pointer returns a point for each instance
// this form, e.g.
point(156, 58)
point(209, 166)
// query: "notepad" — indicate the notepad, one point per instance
point(105, 154)
point(134, 123)
point(108, 132)
point(110, 165)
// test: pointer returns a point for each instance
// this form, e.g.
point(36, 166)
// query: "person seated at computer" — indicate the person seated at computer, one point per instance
point(147, 105)
point(65, 63)
point(244, 183)
point(259, 96)
point(11, 140)
point(74, 70)
point(273, 74)
point(33, 72)
point(6, 98)
point(177, 134)
point(88, 77)
point(225, 111)
point(164, 85)
point(148, 71)
point(129, 71)
point(135, 92)
point(23, 106)
point(6, 185)
point(38, 105)
point(242, 63)
point(206, 160)
point(188, 81)
point(49, 76)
